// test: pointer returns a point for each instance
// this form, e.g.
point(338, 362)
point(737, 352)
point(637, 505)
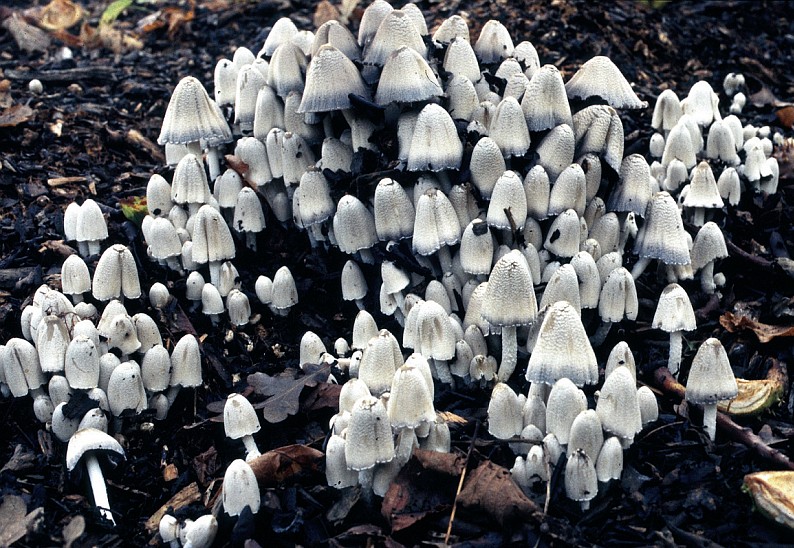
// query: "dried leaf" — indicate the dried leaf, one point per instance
point(764, 332)
point(786, 116)
point(323, 396)
point(284, 391)
point(73, 530)
point(324, 12)
point(60, 15)
point(489, 489)
point(27, 37)
point(186, 496)
point(278, 465)
point(22, 459)
point(15, 522)
point(764, 97)
point(15, 115)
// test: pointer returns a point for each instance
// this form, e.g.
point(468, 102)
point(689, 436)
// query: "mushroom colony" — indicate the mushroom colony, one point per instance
point(487, 211)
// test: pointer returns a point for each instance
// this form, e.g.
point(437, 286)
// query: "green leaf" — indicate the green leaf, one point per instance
point(113, 11)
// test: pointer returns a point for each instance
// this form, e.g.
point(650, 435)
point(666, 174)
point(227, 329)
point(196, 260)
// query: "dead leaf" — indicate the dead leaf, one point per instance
point(5, 97)
point(786, 116)
point(425, 487)
point(324, 12)
point(73, 530)
point(15, 115)
point(186, 496)
point(15, 521)
point(764, 97)
point(60, 15)
point(323, 396)
point(22, 459)
point(489, 489)
point(27, 36)
point(278, 465)
point(765, 332)
point(284, 390)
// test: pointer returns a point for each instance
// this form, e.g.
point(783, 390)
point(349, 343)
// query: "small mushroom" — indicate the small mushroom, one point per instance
point(240, 422)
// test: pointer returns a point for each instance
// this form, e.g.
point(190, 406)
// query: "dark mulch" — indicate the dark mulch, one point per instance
point(89, 134)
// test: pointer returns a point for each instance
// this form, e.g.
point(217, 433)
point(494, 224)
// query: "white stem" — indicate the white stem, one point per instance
point(172, 393)
point(94, 247)
point(215, 273)
point(444, 259)
point(710, 419)
point(213, 163)
point(251, 450)
point(707, 278)
point(676, 344)
point(82, 248)
point(443, 373)
point(77, 298)
point(640, 266)
point(509, 352)
point(98, 487)
point(699, 216)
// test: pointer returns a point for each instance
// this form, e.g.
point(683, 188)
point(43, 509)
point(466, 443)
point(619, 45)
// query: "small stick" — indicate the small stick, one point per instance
point(460, 483)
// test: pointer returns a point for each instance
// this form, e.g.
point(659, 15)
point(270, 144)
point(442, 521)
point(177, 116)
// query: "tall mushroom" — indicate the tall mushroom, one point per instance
point(85, 444)
point(710, 381)
point(674, 314)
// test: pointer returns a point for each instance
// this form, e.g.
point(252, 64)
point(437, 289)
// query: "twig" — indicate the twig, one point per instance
point(460, 483)
point(745, 436)
point(737, 251)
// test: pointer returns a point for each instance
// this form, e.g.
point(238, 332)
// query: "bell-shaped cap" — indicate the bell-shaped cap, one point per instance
point(406, 78)
point(487, 164)
point(335, 34)
point(286, 70)
point(191, 117)
point(564, 234)
point(435, 144)
point(508, 195)
point(709, 245)
point(394, 212)
point(122, 334)
point(666, 111)
point(476, 248)
point(711, 378)
point(435, 224)
point(556, 150)
point(618, 297)
point(609, 465)
point(52, 340)
point(545, 103)
point(460, 60)
point(81, 366)
point(249, 82)
point(369, 436)
point(649, 407)
point(563, 286)
point(239, 417)
point(600, 77)
point(586, 434)
point(285, 293)
point(618, 406)
point(90, 439)
point(494, 43)
point(125, 389)
point(371, 19)
point(395, 30)
point(633, 191)
point(451, 28)
point(186, 362)
point(212, 240)
point(663, 237)
point(240, 489)
point(354, 225)
point(330, 80)
point(75, 278)
point(674, 310)
point(569, 191)
point(20, 363)
point(410, 400)
point(505, 417)
point(510, 298)
point(598, 129)
point(508, 128)
point(562, 349)
point(621, 356)
point(564, 404)
point(156, 369)
point(337, 474)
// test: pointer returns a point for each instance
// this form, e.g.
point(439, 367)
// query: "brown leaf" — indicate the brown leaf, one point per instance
point(27, 36)
point(60, 14)
point(284, 391)
point(786, 116)
point(324, 12)
point(489, 489)
point(186, 496)
point(15, 115)
point(765, 332)
point(278, 465)
point(765, 97)
point(425, 487)
point(15, 522)
point(324, 396)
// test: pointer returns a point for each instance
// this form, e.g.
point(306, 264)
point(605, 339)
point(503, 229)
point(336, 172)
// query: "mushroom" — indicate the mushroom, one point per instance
point(674, 314)
point(581, 481)
point(90, 228)
point(240, 489)
point(116, 275)
point(709, 246)
point(710, 381)
point(618, 406)
point(600, 77)
point(545, 103)
point(369, 440)
point(240, 422)
point(85, 444)
point(406, 78)
point(75, 278)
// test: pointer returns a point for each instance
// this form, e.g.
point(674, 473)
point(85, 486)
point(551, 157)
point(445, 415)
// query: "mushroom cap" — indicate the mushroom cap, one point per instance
point(396, 29)
point(75, 278)
point(600, 77)
point(211, 300)
point(709, 245)
point(364, 328)
point(663, 237)
point(354, 285)
point(285, 293)
point(621, 355)
point(679, 146)
point(268, 115)
point(338, 35)
point(240, 488)
point(156, 369)
point(633, 192)
point(435, 144)
point(189, 185)
point(212, 241)
point(476, 248)
point(588, 277)
point(509, 299)
point(508, 194)
point(460, 60)
point(674, 310)
point(90, 224)
point(564, 234)
point(337, 474)
point(125, 389)
point(394, 212)
point(89, 439)
point(379, 361)
point(505, 418)
point(563, 349)
point(406, 78)
point(369, 436)
point(545, 102)
point(116, 274)
point(331, 79)
point(649, 408)
point(451, 28)
point(666, 111)
point(433, 334)
point(609, 465)
point(286, 70)
point(192, 117)
point(20, 363)
point(314, 197)
point(569, 191)
point(618, 406)
point(508, 128)
point(435, 223)
point(311, 348)
point(52, 340)
point(538, 189)
point(81, 365)
point(598, 129)
point(239, 417)
point(586, 434)
point(487, 165)
point(564, 404)
point(253, 153)
point(618, 297)
point(494, 42)
point(248, 213)
point(711, 378)
point(283, 31)
point(163, 239)
point(721, 143)
point(122, 334)
point(556, 150)
point(410, 400)
point(201, 532)
point(563, 286)
point(186, 362)
point(354, 225)
point(703, 191)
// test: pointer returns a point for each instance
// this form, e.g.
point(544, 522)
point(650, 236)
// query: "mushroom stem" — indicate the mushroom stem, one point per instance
point(710, 419)
point(94, 247)
point(601, 333)
point(366, 479)
point(699, 216)
point(441, 369)
point(674, 360)
point(640, 266)
point(250, 240)
point(213, 163)
point(509, 353)
point(82, 248)
point(365, 254)
point(445, 259)
point(707, 278)
point(77, 298)
point(251, 450)
point(215, 272)
point(98, 487)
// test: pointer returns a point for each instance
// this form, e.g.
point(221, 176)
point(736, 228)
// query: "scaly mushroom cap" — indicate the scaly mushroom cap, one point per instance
point(666, 111)
point(679, 146)
point(609, 465)
point(186, 362)
point(508, 194)
point(564, 234)
point(545, 103)
point(703, 191)
point(75, 278)
point(537, 187)
point(451, 28)
point(410, 400)
point(674, 310)
point(460, 60)
point(633, 192)
point(354, 285)
point(556, 150)
point(337, 35)
point(586, 434)
point(406, 78)
point(81, 366)
point(20, 363)
point(709, 245)
point(486, 165)
point(379, 361)
point(510, 297)
point(248, 213)
point(125, 389)
point(509, 128)
point(711, 378)
point(435, 223)
point(369, 436)
point(598, 129)
point(588, 277)
point(621, 356)
point(618, 297)
point(564, 404)
point(569, 191)
point(163, 239)
point(191, 117)
point(435, 144)
point(649, 408)
point(600, 77)
point(287, 66)
point(563, 349)
point(314, 197)
point(494, 43)
point(239, 417)
point(122, 335)
point(239, 307)
point(52, 340)
point(395, 30)
point(663, 237)
point(330, 80)
point(212, 240)
point(240, 488)
point(434, 334)
point(563, 286)
point(394, 212)
point(156, 369)
point(618, 406)
point(476, 248)
point(505, 418)
point(90, 223)
point(116, 274)
point(354, 225)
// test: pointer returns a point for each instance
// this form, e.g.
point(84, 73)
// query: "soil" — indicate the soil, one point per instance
point(91, 133)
